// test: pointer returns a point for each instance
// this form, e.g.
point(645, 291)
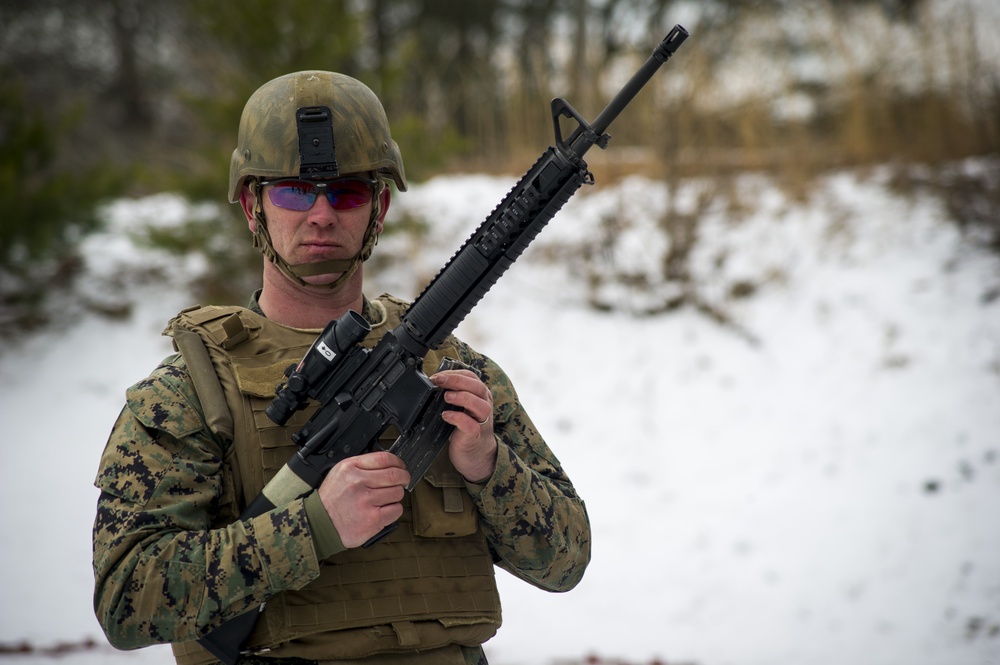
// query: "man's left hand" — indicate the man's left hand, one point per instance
point(472, 447)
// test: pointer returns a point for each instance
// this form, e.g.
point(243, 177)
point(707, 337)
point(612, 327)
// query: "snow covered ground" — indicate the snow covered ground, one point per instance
point(828, 496)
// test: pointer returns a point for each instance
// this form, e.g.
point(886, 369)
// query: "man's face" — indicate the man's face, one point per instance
point(321, 232)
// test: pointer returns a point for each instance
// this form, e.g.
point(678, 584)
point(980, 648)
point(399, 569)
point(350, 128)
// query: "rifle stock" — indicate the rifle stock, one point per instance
point(362, 392)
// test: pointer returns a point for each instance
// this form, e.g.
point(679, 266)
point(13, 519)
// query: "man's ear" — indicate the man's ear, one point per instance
point(384, 197)
point(247, 201)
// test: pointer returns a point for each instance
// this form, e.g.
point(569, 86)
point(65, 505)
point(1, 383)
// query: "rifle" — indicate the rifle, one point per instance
point(362, 392)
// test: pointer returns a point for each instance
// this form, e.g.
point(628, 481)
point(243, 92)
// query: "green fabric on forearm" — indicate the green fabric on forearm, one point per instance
point(325, 537)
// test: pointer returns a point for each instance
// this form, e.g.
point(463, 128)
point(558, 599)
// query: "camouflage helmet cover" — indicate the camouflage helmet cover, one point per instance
point(268, 142)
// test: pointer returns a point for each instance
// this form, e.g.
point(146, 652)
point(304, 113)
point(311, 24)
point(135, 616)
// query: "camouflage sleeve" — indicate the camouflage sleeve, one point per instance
point(535, 521)
point(162, 573)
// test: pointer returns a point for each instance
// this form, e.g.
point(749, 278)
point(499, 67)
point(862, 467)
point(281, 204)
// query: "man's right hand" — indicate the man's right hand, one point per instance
point(362, 495)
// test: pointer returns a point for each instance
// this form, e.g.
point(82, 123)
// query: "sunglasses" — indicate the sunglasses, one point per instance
point(343, 193)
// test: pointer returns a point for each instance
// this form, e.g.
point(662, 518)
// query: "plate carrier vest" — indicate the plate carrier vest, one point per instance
point(429, 584)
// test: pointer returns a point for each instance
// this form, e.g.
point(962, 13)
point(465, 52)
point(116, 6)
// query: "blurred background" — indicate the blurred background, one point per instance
point(101, 99)
point(813, 243)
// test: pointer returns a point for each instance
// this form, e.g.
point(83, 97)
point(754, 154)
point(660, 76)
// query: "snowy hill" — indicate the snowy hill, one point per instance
point(829, 494)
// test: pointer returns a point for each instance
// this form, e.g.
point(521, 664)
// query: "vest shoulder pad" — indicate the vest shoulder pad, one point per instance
point(201, 334)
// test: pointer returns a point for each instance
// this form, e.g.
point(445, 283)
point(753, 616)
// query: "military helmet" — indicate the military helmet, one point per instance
point(313, 124)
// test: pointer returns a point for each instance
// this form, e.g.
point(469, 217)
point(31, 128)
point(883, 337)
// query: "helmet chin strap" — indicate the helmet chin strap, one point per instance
point(347, 267)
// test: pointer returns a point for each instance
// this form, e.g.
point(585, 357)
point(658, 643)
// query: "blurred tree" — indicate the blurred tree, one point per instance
point(43, 204)
point(47, 206)
point(231, 49)
point(105, 58)
point(443, 82)
point(77, 99)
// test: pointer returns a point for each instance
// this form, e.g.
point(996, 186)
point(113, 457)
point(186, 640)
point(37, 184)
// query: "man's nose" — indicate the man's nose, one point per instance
point(322, 212)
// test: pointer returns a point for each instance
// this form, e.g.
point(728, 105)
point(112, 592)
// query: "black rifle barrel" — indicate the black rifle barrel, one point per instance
point(660, 55)
point(524, 212)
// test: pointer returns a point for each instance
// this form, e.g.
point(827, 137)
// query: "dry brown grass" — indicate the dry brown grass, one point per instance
point(927, 92)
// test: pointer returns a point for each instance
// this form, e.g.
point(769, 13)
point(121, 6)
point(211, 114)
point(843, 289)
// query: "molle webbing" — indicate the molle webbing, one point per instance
point(429, 584)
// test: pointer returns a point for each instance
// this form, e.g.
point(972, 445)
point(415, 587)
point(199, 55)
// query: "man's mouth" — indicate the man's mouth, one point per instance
point(320, 244)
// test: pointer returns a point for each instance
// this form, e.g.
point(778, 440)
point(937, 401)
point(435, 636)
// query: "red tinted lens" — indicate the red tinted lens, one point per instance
point(348, 193)
point(293, 194)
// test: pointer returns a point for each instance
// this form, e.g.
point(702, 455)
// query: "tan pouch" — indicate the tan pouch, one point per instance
point(442, 507)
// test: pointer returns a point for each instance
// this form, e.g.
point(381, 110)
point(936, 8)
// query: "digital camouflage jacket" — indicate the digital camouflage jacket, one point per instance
point(159, 564)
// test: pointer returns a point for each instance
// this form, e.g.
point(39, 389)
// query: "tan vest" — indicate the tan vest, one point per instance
point(429, 584)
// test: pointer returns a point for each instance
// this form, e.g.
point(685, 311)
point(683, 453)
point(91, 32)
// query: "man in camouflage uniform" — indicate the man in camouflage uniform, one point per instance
point(172, 559)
